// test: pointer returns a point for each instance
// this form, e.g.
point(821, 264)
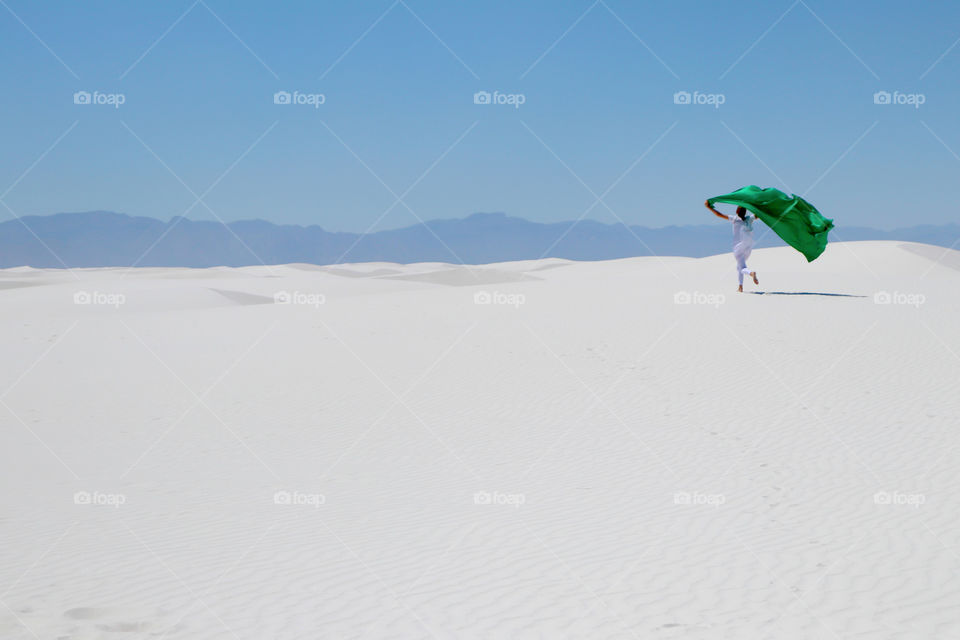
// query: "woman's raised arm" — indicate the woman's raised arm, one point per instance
point(706, 203)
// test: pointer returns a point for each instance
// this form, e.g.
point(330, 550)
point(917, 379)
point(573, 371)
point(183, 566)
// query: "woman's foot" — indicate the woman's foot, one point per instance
point(740, 290)
point(753, 274)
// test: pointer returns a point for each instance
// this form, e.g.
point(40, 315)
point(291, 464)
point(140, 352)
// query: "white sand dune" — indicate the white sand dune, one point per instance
point(540, 449)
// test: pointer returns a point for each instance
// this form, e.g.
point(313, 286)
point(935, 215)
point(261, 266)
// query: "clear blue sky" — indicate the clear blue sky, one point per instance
point(598, 79)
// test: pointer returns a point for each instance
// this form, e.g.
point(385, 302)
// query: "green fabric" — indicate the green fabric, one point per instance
point(791, 217)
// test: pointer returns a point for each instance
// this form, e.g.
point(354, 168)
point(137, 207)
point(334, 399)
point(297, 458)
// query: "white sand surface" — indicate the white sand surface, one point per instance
point(585, 456)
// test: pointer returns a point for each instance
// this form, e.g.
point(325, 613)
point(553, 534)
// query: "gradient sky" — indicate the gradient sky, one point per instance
point(399, 121)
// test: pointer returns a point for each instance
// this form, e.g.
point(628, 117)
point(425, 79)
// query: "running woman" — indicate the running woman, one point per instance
point(742, 241)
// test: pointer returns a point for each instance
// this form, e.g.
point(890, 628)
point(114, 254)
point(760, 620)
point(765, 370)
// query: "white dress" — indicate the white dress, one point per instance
point(742, 242)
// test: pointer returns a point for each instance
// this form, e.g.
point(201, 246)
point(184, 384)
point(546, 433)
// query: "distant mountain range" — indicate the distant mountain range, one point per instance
point(105, 239)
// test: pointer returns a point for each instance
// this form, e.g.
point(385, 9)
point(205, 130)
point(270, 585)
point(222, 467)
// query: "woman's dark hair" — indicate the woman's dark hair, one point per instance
point(741, 211)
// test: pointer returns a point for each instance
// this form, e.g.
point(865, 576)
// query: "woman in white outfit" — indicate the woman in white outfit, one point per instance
point(742, 241)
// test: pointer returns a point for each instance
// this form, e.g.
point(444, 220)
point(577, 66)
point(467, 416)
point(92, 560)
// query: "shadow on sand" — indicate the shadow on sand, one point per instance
point(804, 293)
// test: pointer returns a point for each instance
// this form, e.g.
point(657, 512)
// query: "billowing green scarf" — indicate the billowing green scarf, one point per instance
point(791, 217)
